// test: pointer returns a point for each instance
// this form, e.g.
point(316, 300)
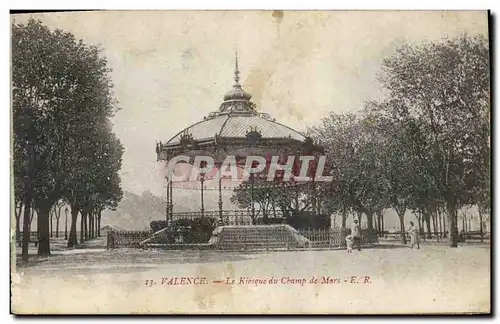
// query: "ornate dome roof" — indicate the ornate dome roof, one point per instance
point(235, 118)
point(237, 126)
point(237, 93)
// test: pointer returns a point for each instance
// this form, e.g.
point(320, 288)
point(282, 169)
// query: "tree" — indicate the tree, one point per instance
point(354, 150)
point(398, 166)
point(445, 86)
point(365, 175)
point(292, 198)
point(335, 133)
point(39, 86)
point(261, 192)
point(61, 93)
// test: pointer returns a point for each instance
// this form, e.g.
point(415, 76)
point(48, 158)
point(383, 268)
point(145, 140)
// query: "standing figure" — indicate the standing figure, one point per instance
point(413, 236)
point(349, 242)
point(356, 234)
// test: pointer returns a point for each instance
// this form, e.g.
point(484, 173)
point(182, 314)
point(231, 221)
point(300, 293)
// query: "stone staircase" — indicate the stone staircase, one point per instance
point(258, 237)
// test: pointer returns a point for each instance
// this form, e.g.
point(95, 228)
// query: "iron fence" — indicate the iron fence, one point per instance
point(125, 239)
point(249, 238)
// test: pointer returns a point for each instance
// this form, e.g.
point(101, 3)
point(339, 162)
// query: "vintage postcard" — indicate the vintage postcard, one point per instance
point(250, 162)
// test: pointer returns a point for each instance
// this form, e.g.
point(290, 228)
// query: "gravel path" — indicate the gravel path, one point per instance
point(388, 279)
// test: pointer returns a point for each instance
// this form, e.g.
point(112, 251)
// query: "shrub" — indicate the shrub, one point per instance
point(197, 230)
point(158, 225)
point(269, 221)
point(307, 220)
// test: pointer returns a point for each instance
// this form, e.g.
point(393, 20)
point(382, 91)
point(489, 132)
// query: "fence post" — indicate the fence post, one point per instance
point(267, 242)
point(245, 238)
point(108, 242)
point(112, 236)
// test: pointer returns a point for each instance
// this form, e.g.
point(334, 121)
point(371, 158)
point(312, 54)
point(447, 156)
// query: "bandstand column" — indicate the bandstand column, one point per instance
point(296, 196)
point(171, 205)
point(202, 180)
point(251, 195)
point(220, 198)
point(167, 207)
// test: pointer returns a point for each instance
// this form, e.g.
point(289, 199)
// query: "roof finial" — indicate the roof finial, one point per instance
point(236, 71)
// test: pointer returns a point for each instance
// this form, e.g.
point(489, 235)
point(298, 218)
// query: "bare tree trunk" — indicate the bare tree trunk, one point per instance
point(433, 220)
point(420, 221)
point(402, 227)
point(360, 218)
point(51, 213)
point(28, 200)
point(85, 225)
point(66, 223)
point(480, 224)
point(440, 233)
point(43, 230)
point(32, 215)
point(427, 218)
point(73, 240)
point(344, 217)
point(57, 227)
point(91, 225)
point(99, 224)
point(423, 229)
point(58, 216)
point(445, 229)
point(420, 229)
point(18, 225)
point(26, 228)
point(379, 223)
point(452, 224)
point(369, 221)
point(89, 217)
point(82, 219)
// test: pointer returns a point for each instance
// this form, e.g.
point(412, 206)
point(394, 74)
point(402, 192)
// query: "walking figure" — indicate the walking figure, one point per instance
point(356, 234)
point(413, 236)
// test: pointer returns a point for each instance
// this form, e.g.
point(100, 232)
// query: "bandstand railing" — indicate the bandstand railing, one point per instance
point(230, 217)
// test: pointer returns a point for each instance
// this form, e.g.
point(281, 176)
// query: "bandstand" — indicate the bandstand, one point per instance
point(235, 129)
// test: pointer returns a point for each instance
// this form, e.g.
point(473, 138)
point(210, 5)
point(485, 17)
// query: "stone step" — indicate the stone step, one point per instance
point(261, 236)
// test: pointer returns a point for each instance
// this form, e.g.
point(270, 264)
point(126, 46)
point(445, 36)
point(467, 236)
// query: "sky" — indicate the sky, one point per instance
point(172, 68)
